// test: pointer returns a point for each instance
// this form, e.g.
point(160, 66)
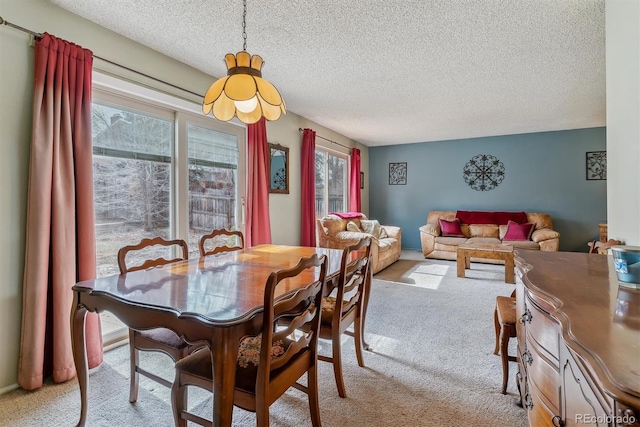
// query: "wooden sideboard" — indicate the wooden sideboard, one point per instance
point(578, 341)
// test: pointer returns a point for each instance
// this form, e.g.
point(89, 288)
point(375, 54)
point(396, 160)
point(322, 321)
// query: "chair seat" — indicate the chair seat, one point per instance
point(164, 336)
point(198, 364)
point(506, 307)
point(328, 307)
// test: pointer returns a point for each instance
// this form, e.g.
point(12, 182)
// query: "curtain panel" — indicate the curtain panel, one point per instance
point(60, 234)
point(355, 199)
point(308, 197)
point(258, 227)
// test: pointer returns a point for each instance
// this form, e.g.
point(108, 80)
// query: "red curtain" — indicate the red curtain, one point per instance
point(308, 170)
point(258, 228)
point(355, 199)
point(60, 240)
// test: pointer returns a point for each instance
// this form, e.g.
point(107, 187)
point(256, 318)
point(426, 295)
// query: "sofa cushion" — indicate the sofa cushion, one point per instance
point(483, 230)
point(333, 224)
point(373, 227)
point(448, 244)
point(499, 218)
point(517, 231)
point(523, 244)
point(352, 226)
point(450, 228)
point(483, 240)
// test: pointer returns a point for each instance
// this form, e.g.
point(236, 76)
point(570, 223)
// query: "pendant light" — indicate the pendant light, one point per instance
point(243, 93)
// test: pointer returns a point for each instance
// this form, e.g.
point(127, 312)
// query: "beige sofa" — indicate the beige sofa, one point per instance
point(434, 245)
point(332, 233)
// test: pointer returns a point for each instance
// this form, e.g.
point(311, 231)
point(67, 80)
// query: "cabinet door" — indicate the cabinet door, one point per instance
point(581, 402)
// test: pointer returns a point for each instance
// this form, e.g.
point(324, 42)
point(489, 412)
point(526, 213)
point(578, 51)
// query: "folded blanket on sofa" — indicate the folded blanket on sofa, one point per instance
point(348, 215)
point(498, 218)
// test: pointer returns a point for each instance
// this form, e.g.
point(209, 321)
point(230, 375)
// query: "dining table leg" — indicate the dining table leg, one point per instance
point(78, 316)
point(224, 356)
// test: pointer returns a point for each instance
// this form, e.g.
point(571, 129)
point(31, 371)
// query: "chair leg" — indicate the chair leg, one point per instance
point(496, 324)
point(357, 336)
point(133, 362)
point(262, 412)
point(312, 390)
point(336, 348)
point(504, 342)
point(179, 401)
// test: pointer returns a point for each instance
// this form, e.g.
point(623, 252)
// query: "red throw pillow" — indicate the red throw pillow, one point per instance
point(450, 228)
point(517, 231)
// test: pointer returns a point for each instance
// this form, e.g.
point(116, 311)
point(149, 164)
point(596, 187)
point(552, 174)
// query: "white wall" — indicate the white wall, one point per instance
point(623, 120)
point(16, 89)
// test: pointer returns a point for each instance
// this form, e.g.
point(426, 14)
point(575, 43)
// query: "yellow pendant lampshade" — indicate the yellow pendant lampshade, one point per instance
point(243, 93)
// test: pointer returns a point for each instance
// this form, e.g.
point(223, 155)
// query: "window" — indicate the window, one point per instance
point(331, 182)
point(161, 168)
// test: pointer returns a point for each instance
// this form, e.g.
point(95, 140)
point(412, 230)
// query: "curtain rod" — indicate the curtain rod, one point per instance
point(327, 139)
point(39, 36)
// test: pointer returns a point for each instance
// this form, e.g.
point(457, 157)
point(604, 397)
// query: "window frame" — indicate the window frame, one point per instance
point(115, 91)
point(347, 158)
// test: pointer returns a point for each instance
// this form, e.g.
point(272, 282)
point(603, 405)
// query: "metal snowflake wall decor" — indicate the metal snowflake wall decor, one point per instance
point(483, 172)
point(596, 165)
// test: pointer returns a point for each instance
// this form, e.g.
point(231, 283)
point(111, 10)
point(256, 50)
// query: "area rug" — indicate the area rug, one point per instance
point(431, 364)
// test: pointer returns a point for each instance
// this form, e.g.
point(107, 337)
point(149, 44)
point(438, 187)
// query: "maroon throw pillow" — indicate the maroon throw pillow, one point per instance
point(450, 228)
point(517, 231)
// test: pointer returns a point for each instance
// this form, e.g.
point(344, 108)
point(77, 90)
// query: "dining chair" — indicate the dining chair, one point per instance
point(221, 239)
point(140, 257)
point(504, 319)
point(271, 362)
point(350, 291)
point(598, 247)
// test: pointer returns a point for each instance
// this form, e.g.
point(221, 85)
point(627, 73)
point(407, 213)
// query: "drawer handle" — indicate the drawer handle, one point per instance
point(528, 401)
point(557, 421)
point(527, 358)
point(526, 317)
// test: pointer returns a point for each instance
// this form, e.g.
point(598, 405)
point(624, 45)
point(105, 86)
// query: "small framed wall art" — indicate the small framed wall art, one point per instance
point(361, 180)
point(398, 173)
point(596, 165)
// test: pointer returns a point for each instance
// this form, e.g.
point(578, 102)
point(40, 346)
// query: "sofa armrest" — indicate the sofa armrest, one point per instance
point(544, 234)
point(393, 231)
point(431, 229)
point(428, 234)
point(548, 239)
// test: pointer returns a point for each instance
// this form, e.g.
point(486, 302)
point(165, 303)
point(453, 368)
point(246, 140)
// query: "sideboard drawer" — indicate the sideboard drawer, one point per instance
point(543, 374)
point(539, 414)
point(542, 329)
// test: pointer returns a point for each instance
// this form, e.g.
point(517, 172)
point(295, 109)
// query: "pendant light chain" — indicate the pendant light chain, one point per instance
point(244, 25)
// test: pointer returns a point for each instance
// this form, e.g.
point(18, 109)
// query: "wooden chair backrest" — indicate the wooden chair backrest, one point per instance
point(353, 276)
point(224, 248)
point(150, 262)
point(598, 247)
point(301, 308)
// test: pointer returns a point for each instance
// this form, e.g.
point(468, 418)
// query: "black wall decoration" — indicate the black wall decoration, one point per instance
point(596, 165)
point(483, 172)
point(398, 173)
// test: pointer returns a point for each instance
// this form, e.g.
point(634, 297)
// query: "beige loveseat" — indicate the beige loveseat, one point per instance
point(434, 245)
point(332, 233)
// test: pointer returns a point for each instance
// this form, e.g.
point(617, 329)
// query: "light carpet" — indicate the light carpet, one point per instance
point(431, 364)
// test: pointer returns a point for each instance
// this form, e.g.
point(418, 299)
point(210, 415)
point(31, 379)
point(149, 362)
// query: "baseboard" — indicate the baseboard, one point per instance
point(9, 388)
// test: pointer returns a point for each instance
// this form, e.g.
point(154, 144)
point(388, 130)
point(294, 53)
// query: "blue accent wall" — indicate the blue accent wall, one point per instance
point(544, 172)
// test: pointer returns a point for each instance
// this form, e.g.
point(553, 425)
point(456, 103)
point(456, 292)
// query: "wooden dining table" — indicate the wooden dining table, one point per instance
point(216, 300)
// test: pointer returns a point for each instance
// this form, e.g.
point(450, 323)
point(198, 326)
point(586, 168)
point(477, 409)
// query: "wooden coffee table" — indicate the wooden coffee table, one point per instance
point(486, 251)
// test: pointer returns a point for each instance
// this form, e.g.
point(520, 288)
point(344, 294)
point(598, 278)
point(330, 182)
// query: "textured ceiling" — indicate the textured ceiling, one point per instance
point(395, 71)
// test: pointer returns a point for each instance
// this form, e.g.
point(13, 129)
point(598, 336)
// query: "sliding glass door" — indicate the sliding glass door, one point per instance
point(160, 171)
